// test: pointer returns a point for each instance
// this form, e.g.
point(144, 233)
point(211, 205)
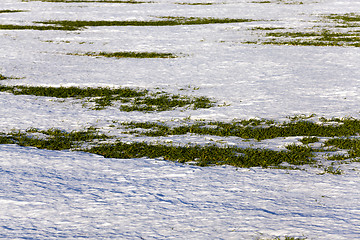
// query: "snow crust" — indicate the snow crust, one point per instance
point(63, 194)
point(60, 194)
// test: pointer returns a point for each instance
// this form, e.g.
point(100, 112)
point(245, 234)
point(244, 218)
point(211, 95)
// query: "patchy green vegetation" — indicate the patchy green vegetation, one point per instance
point(90, 140)
point(298, 117)
point(130, 99)
point(308, 140)
point(291, 2)
point(196, 3)
point(52, 139)
point(315, 38)
point(12, 11)
point(267, 28)
point(2, 77)
point(252, 129)
point(340, 30)
point(127, 54)
point(341, 133)
point(289, 238)
point(79, 25)
point(312, 38)
point(205, 155)
point(165, 102)
point(341, 143)
point(87, 1)
point(171, 21)
point(353, 145)
point(35, 27)
point(344, 18)
point(67, 42)
point(67, 92)
point(332, 170)
point(56, 139)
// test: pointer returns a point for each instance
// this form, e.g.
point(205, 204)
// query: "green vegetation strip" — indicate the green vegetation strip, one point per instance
point(207, 155)
point(90, 140)
point(12, 11)
point(344, 18)
point(290, 2)
point(79, 25)
point(253, 129)
point(343, 133)
point(55, 139)
point(130, 99)
point(2, 77)
point(128, 54)
point(341, 30)
point(171, 21)
point(353, 145)
point(52, 139)
point(322, 38)
point(287, 238)
point(196, 3)
point(34, 27)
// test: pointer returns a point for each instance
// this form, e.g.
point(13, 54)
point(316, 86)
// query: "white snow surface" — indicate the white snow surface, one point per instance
point(63, 194)
point(60, 194)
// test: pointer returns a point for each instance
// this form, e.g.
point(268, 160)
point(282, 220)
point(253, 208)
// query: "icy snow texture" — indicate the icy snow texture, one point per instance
point(50, 195)
point(60, 194)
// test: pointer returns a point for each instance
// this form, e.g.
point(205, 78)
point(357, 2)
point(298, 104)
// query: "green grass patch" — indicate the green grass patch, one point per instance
point(333, 170)
point(344, 18)
point(291, 2)
point(75, 92)
point(12, 11)
point(196, 3)
point(353, 145)
point(2, 77)
point(308, 140)
point(34, 27)
point(340, 30)
point(52, 139)
point(315, 38)
point(338, 157)
point(170, 21)
point(128, 98)
point(255, 129)
point(298, 117)
point(205, 155)
point(90, 140)
point(127, 54)
point(342, 133)
point(55, 139)
point(4, 139)
point(267, 28)
point(165, 102)
point(287, 238)
point(344, 21)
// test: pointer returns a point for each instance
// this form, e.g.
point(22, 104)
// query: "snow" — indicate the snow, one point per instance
point(60, 194)
point(63, 194)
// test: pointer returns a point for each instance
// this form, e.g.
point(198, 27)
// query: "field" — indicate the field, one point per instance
point(233, 119)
